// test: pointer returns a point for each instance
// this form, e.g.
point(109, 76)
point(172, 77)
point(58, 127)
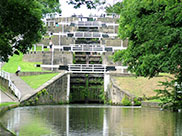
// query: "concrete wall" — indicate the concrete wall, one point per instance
point(115, 94)
point(53, 93)
point(33, 57)
point(107, 60)
point(108, 20)
point(33, 73)
point(60, 58)
point(5, 84)
point(151, 104)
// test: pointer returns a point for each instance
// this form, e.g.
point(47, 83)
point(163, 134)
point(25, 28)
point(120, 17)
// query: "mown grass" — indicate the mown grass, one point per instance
point(17, 60)
point(36, 81)
point(141, 86)
point(39, 48)
point(154, 100)
point(7, 104)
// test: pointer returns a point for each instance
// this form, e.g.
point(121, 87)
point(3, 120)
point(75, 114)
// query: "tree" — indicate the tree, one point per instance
point(153, 28)
point(116, 8)
point(89, 3)
point(20, 26)
point(50, 6)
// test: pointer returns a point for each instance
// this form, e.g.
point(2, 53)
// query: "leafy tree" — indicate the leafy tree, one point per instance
point(153, 28)
point(89, 3)
point(116, 8)
point(20, 26)
point(50, 6)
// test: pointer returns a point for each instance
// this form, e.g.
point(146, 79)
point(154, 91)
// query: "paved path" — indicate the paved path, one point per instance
point(23, 87)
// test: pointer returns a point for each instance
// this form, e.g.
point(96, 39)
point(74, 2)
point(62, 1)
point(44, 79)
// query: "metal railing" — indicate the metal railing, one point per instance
point(95, 68)
point(87, 34)
point(12, 86)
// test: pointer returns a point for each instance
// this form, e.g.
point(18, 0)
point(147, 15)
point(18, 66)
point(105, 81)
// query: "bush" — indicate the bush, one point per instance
point(136, 102)
point(125, 101)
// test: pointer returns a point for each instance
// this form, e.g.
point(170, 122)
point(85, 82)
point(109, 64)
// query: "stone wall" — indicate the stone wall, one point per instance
point(108, 20)
point(33, 73)
point(60, 58)
point(115, 94)
point(5, 84)
point(52, 92)
point(151, 104)
point(33, 57)
point(107, 59)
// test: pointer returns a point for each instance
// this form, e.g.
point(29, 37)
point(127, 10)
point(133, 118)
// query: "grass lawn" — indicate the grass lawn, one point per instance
point(140, 86)
point(16, 60)
point(39, 48)
point(154, 100)
point(7, 104)
point(36, 81)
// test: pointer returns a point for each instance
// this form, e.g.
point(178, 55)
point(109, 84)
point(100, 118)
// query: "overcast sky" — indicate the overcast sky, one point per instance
point(68, 10)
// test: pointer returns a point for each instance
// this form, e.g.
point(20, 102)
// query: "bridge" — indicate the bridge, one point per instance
point(85, 68)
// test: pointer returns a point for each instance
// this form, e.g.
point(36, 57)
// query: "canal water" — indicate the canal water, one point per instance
point(92, 120)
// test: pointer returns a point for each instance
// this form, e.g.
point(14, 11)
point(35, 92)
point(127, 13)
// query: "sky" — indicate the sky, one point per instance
point(68, 10)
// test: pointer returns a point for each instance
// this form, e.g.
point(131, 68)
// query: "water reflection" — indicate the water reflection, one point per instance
point(73, 120)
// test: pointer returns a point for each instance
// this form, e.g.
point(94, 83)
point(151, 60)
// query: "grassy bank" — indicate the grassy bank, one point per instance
point(141, 86)
point(17, 60)
point(7, 104)
point(36, 81)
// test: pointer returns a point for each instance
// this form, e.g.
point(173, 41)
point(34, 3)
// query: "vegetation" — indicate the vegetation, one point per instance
point(17, 60)
point(116, 8)
point(125, 101)
point(7, 104)
point(153, 29)
point(36, 81)
point(154, 100)
point(141, 86)
point(21, 25)
point(89, 3)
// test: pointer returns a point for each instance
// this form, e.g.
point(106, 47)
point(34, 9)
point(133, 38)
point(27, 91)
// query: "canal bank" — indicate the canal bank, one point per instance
point(4, 107)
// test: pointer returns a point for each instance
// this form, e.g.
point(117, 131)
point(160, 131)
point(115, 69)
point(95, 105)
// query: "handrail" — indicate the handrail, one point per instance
point(12, 86)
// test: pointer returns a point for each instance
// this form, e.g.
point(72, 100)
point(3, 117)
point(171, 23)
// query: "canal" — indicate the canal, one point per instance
point(92, 120)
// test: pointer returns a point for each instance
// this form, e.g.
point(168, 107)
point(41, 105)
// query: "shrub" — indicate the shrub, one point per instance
point(136, 102)
point(125, 101)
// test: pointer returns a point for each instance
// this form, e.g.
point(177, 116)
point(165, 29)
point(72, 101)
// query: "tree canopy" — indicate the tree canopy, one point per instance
point(21, 25)
point(154, 31)
point(116, 8)
point(89, 3)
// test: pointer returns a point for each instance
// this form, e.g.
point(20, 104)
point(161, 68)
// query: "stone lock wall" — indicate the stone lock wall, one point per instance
point(115, 94)
point(33, 57)
point(107, 59)
point(54, 93)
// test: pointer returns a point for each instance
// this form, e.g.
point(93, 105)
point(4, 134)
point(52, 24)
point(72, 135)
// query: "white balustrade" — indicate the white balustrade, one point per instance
point(12, 86)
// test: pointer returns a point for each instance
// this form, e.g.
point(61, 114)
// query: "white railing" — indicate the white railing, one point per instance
point(87, 34)
point(5, 75)
point(14, 89)
point(95, 68)
point(12, 86)
point(87, 68)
